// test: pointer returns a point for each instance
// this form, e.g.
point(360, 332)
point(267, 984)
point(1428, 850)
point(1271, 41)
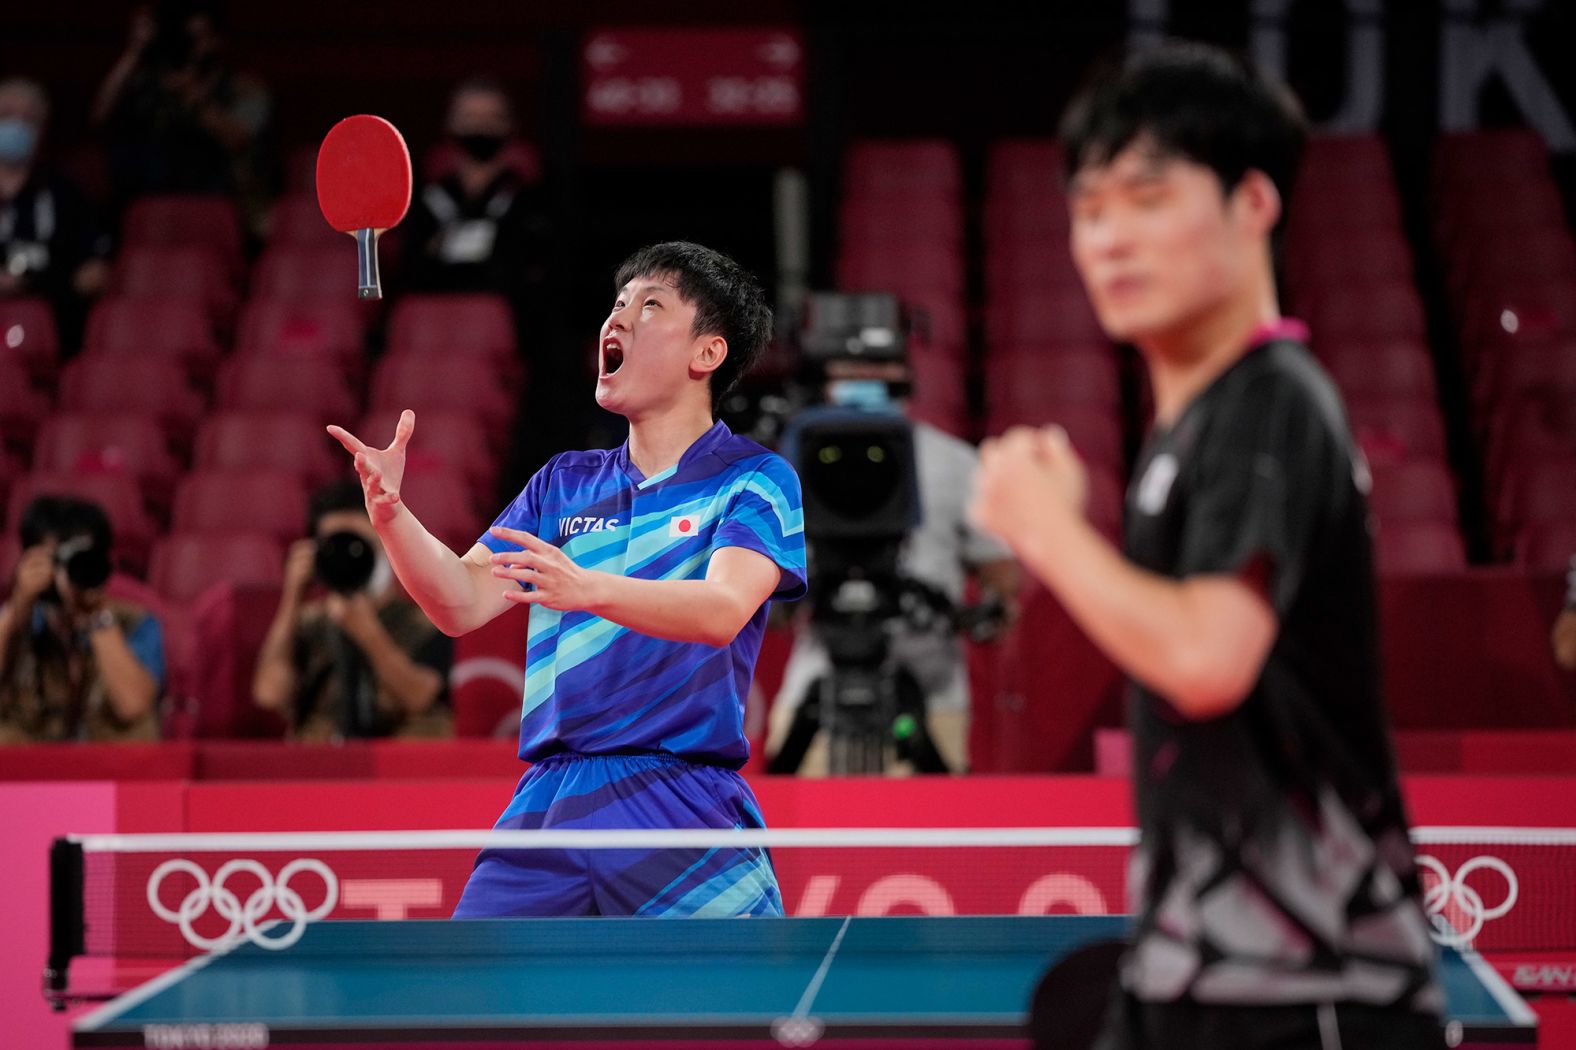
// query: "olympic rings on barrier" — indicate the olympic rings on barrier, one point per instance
point(1451, 893)
point(243, 918)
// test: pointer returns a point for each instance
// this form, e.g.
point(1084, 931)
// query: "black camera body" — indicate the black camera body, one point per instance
point(85, 562)
point(344, 562)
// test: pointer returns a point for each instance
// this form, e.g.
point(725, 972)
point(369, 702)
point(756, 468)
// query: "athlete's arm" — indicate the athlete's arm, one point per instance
point(1200, 642)
point(458, 594)
point(711, 611)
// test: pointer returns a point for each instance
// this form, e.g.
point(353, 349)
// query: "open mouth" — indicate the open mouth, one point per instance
point(612, 357)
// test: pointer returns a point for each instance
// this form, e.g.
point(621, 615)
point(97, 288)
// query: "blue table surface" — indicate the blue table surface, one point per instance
point(414, 973)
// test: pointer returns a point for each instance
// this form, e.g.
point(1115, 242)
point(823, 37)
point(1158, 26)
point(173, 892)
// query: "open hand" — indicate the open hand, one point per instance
point(381, 470)
point(560, 583)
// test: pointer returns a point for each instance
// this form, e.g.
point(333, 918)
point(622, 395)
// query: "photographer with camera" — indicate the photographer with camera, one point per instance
point(75, 664)
point(859, 346)
point(363, 660)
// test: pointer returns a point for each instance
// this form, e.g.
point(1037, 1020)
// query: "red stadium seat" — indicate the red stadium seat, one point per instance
point(1515, 256)
point(1010, 222)
point(1321, 206)
point(897, 165)
point(1486, 210)
point(185, 564)
point(455, 384)
point(117, 494)
point(1535, 491)
point(1391, 430)
point(176, 271)
point(1023, 168)
point(1547, 546)
point(307, 273)
point(119, 443)
point(331, 329)
point(907, 272)
point(308, 384)
point(1348, 158)
point(1419, 548)
point(209, 221)
point(23, 406)
point(241, 500)
point(1030, 265)
point(1504, 378)
point(177, 328)
point(1370, 255)
point(298, 221)
point(444, 440)
point(441, 501)
point(940, 392)
point(286, 440)
point(1472, 156)
point(1096, 433)
point(1422, 490)
point(1521, 314)
point(1539, 426)
point(914, 217)
point(1389, 309)
point(28, 335)
point(1040, 316)
point(1022, 376)
point(938, 322)
point(1386, 368)
point(106, 383)
point(447, 324)
point(10, 554)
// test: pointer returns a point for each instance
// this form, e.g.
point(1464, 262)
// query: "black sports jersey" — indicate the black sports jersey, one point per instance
point(1274, 864)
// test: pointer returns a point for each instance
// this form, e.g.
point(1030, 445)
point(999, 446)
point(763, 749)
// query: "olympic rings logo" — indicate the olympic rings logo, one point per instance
point(243, 918)
point(1449, 901)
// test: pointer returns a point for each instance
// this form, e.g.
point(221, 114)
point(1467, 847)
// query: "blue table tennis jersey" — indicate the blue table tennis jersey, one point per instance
point(595, 687)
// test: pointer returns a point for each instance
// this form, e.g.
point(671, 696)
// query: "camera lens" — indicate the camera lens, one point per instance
point(344, 562)
point(87, 565)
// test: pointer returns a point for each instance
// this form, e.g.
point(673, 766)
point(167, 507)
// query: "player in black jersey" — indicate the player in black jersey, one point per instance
point(1274, 892)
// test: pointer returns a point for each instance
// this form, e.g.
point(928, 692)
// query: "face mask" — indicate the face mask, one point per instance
point(17, 139)
point(482, 148)
point(859, 393)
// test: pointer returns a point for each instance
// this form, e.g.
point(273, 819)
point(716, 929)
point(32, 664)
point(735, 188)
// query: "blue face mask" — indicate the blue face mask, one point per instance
point(859, 393)
point(17, 139)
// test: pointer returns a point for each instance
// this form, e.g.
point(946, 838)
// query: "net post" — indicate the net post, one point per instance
point(67, 928)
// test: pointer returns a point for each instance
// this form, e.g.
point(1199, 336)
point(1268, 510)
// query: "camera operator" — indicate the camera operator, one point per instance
point(75, 664)
point(363, 660)
point(941, 552)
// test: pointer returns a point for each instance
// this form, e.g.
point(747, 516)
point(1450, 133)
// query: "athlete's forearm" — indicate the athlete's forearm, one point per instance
point(704, 611)
point(1197, 642)
point(445, 585)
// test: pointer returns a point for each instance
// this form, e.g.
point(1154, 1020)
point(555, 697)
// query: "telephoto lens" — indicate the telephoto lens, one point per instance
point(86, 563)
point(344, 562)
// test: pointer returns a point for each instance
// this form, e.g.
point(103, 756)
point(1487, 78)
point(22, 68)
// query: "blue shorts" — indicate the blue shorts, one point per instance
point(647, 791)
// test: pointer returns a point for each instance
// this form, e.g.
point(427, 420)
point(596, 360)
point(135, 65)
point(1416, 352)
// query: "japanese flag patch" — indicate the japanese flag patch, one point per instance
point(684, 525)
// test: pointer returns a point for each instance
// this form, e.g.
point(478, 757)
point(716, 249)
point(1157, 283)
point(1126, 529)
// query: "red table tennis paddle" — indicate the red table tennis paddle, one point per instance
point(363, 187)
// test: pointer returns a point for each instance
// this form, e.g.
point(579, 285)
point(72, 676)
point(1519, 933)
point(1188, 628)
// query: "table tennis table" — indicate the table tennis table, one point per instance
point(601, 982)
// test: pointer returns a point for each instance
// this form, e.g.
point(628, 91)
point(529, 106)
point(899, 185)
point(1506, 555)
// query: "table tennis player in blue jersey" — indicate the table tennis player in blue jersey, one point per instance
point(648, 570)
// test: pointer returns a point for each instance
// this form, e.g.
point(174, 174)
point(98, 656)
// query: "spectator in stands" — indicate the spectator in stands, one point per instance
point(51, 243)
point(1564, 635)
point(75, 664)
point(478, 226)
point(363, 660)
point(180, 119)
point(942, 552)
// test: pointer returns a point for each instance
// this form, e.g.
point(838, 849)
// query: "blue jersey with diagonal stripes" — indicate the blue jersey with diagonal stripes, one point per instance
point(595, 687)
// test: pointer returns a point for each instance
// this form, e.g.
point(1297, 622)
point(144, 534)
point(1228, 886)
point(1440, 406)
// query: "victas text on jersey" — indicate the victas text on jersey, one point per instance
point(575, 526)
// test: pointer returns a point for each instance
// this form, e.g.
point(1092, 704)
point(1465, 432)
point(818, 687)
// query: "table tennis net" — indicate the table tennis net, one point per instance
point(126, 907)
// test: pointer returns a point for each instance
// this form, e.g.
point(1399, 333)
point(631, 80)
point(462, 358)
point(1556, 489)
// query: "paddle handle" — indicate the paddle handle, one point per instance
point(368, 285)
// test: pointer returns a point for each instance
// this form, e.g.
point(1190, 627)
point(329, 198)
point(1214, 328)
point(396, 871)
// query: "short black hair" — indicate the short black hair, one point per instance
point(64, 518)
point(728, 301)
point(1192, 100)
point(344, 494)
